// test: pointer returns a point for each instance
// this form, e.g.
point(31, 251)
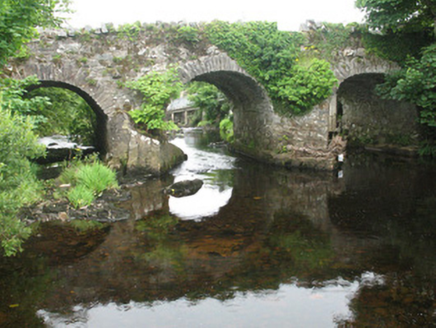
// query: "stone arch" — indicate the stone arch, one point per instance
point(74, 77)
point(358, 74)
point(366, 117)
point(252, 108)
point(125, 149)
point(101, 118)
point(351, 64)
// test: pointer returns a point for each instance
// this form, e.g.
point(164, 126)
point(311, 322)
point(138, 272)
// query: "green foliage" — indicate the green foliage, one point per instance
point(57, 58)
point(152, 118)
point(271, 56)
point(66, 113)
point(410, 23)
point(428, 148)
point(307, 86)
point(416, 83)
point(80, 196)
point(397, 46)
point(18, 184)
point(88, 180)
point(399, 15)
point(226, 130)
point(400, 139)
point(17, 143)
point(96, 177)
point(19, 19)
point(129, 31)
point(188, 34)
point(213, 103)
point(157, 90)
point(205, 123)
point(14, 98)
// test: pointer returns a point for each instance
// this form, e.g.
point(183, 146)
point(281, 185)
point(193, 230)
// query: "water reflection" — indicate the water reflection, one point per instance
point(198, 206)
point(214, 168)
point(299, 249)
point(277, 307)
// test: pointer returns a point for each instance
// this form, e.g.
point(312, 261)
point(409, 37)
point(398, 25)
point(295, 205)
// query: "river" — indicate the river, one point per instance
point(257, 246)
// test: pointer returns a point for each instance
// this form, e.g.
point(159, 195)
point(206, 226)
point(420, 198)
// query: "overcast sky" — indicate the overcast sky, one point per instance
point(288, 14)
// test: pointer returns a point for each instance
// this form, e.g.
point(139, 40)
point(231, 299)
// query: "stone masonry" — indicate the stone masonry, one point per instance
point(95, 64)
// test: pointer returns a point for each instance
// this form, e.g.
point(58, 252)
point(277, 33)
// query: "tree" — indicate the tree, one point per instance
point(19, 20)
point(66, 113)
point(416, 81)
point(212, 102)
point(157, 90)
point(396, 15)
point(18, 185)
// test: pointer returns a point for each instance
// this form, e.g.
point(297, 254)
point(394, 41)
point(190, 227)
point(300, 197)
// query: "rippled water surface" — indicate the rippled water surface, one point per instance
point(257, 246)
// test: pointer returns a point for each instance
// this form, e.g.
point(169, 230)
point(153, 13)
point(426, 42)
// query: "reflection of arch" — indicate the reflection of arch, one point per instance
point(252, 107)
point(101, 130)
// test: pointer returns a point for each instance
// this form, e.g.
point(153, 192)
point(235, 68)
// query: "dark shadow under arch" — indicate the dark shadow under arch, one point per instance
point(368, 118)
point(239, 88)
point(101, 143)
point(251, 107)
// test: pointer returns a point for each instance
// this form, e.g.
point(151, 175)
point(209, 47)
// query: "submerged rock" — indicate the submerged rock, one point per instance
point(184, 188)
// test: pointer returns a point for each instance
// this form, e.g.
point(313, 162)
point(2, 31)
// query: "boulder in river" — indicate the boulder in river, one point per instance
point(59, 148)
point(184, 188)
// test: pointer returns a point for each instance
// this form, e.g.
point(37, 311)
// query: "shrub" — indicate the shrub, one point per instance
point(18, 184)
point(307, 86)
point(157, 90)
point(188, 34)
point(213, 103)
point(226, 130)
point(272, 57)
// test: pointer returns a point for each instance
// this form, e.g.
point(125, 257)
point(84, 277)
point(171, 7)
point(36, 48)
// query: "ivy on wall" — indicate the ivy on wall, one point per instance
point(157, 90)
point(273, 58)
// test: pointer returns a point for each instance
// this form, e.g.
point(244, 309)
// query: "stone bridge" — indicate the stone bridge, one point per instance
point(95, 63)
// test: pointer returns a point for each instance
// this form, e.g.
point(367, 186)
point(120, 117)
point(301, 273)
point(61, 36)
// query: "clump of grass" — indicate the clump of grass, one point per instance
point(97, 178)
point(80, 196)
point(88, 180)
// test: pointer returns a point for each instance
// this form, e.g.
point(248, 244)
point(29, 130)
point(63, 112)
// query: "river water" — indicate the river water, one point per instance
point(257, 246)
